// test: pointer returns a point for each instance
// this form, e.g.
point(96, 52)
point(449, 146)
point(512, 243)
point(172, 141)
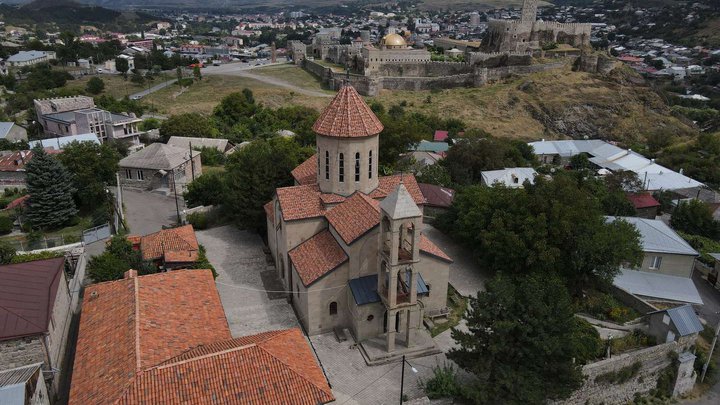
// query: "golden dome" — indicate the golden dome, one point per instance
point(394, 40)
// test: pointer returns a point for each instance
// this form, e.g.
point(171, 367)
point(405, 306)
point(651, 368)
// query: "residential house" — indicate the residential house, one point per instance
point(665, 273)
point(513, 177)
point(645, 205)
point(435, 147)
point(12, 168)
point(67, 116)
point(437, 199)
point(160, 166)
point(222, 145)
point(672, 324)
point(12, 132)
point(171, 344)
point(29, 58)
point(59, 143)
point(36, 307)
point(23, 385)
point(349, 244)
point(169, 249)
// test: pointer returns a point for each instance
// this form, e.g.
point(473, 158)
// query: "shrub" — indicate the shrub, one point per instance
point(198, 220)
point(29, 257)
point(203, 262)
point(6, 225)
point(106, 267)
point(621, 376)
point(4, 201)
point(443, 383)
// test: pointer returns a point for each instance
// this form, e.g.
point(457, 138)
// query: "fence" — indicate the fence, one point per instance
point(25, 245)
point(97, 233)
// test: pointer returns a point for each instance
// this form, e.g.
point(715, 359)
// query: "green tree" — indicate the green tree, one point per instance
point(137, 78)
point(122, 66)
point(93, 168)
point(211, 156)
point(51, 190)
point(208, 189)
point(118, 258)
point(95, 85)
point(197, 74)
point(468, 159)
point(521, 341)
point(435, 174)
point(188, 124)
point(253, 174)
point(695, 217)
point(7, 252)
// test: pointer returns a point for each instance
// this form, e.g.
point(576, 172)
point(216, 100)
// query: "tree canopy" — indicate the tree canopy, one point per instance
point(696, 218)
point(470, 157)
point(51, 190)
point(188, 124)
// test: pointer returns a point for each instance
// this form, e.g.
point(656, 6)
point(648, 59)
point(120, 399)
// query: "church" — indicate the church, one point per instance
point(348, 244)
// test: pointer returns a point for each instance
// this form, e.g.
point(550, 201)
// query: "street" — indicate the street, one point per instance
point(152, 89)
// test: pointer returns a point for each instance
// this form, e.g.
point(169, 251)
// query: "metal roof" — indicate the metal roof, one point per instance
point(508, 176)
point(685, 320)
point(25, 56)
point(715, 256)
point(5, 128)
point(157, 156)
point(13, 381)
point(657, 237)
point(60, 142)
point(364, 289)
point(427, 146)
point(186, 141)
point(658, 286)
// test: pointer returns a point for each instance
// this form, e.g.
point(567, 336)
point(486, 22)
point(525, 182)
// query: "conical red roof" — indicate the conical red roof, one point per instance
point(347, 116)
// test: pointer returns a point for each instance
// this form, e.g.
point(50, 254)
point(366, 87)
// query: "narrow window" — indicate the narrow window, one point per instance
point(333, 308)
point(141, 175)
point(341, 168)
point(357, 166)
point(370, 165)
point(656, 262)
point(128, 174)
point(327, 165)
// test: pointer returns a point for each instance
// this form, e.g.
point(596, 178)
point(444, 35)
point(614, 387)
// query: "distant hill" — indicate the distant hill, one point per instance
point(70, 14)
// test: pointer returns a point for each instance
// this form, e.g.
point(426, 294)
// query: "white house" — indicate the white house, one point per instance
point(513, 177)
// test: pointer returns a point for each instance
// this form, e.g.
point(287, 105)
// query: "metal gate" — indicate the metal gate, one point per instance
point(95, 234)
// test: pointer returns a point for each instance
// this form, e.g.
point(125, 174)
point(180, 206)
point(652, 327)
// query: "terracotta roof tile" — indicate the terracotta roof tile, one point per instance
point(432, 249)
point(317, 256)
point(354, 217)
point(347, 116)
point(278, 369)
point(270, 211)
point(170, 244)
point(306, 172)
point(329, 198)
point(133, 324)
point(300, 202)
point(388, 184)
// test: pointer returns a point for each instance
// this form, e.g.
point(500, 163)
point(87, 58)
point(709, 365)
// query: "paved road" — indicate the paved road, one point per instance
point(243, 70)
point(244, 276)
point(152, 89)
point(147, 212)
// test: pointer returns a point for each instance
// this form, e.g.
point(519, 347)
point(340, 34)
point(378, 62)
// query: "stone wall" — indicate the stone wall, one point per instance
point(654, 360)
point(21, 352)
point(423, 69)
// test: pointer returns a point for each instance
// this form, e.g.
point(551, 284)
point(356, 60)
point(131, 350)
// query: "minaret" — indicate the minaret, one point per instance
point(529, 11)
point(347, 145)
point(400, 226)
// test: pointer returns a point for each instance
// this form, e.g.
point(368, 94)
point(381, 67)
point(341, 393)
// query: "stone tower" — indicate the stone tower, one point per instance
point(400, 227)
point(347, 145)
point(529, 11)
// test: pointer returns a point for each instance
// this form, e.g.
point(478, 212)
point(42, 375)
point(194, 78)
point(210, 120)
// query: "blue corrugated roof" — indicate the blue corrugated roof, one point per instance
point(364, 289)
point(685, 320)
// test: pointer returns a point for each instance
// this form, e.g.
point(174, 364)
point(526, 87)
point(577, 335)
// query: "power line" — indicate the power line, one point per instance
point(278, 291)
point(371, 383)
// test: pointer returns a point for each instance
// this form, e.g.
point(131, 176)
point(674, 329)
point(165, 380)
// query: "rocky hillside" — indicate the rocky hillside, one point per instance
point(556, 104)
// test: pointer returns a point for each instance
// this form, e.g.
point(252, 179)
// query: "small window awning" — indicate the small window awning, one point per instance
point(364, 289)
point(658, 286)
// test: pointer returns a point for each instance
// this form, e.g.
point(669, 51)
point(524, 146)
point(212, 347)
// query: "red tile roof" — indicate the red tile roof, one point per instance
point(437, 196)
point(354, 217)
point(317, 256)
point(440, 135)
point(173, 245)
point(642, 200)
point(130, 325)
point(347, 116)
point(306, 172)
point(388, 184)
point(272, 368)
point(270, 211)
point(300, 202)
point(27, 296)
point(427, 246)
point(20, 201)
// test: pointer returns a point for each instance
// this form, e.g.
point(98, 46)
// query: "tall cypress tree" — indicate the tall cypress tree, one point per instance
point(51, 190)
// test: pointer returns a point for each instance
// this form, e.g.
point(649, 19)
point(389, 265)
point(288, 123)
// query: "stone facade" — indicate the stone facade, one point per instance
point(357, 158)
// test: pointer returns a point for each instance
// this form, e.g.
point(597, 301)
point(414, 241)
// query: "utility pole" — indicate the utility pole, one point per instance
point(177, 207)
point(712, 347)
point(402, 379)
point(119, 199)
point(192, 162)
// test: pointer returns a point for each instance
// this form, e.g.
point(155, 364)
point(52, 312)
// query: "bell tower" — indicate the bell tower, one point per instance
point(347, 145)
point(529, 11)
point(400, 226)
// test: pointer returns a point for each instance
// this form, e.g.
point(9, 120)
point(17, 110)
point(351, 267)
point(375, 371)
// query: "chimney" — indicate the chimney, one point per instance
point(130, 274)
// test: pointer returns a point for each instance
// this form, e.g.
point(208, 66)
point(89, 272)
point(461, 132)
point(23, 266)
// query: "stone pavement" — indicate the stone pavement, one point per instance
point(465, 275)
point(244, 276)
point(147, 212)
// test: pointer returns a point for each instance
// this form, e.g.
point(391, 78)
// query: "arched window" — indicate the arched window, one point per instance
point(357, 166)
point(341, 168)
point(327, 165)
point(370, 165)
point(333, 308)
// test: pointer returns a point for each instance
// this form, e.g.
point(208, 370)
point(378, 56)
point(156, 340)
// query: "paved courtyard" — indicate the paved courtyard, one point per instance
point(147, 212)
point(250, 293)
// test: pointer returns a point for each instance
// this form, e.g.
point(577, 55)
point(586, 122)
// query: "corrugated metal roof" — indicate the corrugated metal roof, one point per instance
point(685, 320)
point(18, 375)
point(364, 289)
point(158, 156)
point(5, 128)
point(658, 286)
point(508, 176)
point(656, 236)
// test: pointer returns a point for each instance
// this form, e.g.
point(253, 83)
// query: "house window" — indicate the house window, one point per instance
point(327, 165)
point(341, 168)
point(140, 175)
point(656, 262)
point(357, 166)
point(333, 308)
point(370, 165)
point(666, 319)
point(128, 174)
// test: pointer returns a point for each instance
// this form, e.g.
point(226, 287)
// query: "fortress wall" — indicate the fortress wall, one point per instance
point(423, 69)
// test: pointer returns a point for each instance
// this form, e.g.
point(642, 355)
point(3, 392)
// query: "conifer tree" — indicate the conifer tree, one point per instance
point(50, 187)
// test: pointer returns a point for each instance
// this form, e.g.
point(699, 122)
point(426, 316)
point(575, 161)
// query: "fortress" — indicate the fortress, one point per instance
point(510, 48)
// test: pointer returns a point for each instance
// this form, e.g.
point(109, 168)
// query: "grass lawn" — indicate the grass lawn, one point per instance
point(473, 4)
point(202, 97)
point(457, 304)
point(115, 85)
point(292, 74)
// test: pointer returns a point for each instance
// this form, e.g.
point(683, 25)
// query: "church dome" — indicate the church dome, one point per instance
point(394, 41)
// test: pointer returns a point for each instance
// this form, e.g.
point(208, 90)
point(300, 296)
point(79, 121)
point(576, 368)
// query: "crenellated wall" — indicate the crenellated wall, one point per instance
point(518, 35)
